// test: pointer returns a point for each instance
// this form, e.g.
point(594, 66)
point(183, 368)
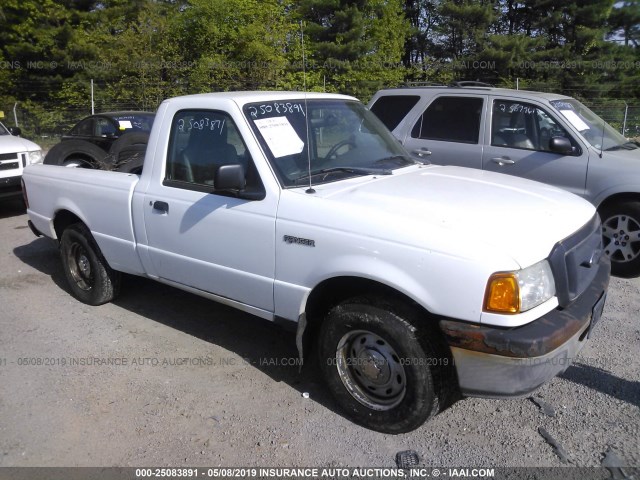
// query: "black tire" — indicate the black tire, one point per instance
point(132, 160)
point(128, 148)
point(381, 370)
point(90, 278)
point(77, 153)
point(621, 237)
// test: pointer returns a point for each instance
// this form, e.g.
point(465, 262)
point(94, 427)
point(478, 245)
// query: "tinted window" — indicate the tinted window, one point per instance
point(450, 119)
point(104, 127)
point(201, 141)
point(392, 109)
point(523, 125)
point(85, 127)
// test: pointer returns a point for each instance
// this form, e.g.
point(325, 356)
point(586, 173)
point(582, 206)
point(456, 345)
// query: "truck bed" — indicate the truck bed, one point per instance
point(101, 199)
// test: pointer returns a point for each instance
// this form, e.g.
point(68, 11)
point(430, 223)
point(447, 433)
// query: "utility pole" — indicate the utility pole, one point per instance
point(15, 117)
point(92, 104)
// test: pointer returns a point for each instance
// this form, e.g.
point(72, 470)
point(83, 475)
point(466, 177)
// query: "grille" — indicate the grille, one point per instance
point(8, 156)
point(9, 165)
point(575, 260)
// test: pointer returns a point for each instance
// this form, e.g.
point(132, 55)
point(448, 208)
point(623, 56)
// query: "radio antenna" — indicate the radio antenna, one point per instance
point(602, 139)
point(306, 111)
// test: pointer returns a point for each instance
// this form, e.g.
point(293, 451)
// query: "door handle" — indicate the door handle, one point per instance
point(503, 161)
point(161, 206)
point(422, 152)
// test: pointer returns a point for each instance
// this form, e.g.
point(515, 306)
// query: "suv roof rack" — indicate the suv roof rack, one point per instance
point(470, 83)
point(423, 84)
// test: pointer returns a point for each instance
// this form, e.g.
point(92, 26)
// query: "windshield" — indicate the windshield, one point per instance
point(595, 130)
point(344, 140)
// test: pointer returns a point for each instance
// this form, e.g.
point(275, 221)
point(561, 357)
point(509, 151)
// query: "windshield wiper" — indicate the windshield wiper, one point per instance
point(624, 146)
point(356, 170)
point(399, 159)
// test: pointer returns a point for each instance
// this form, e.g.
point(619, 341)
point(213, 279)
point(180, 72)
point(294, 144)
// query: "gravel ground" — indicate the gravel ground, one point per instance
point(202, 384)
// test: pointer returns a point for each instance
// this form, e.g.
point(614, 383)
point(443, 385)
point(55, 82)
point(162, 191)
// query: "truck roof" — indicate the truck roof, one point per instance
point(260, 96)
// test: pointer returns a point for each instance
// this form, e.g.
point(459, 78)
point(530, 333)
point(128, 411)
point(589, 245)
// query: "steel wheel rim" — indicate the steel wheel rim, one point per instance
point(622, 238)
point(80, 266)
point(72, 164)
point(371, 370)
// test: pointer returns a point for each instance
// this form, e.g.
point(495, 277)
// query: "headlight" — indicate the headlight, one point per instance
point(35, 157)
point(515, 292)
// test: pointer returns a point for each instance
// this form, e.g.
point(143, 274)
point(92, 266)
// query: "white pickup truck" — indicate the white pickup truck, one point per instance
point(412, 283)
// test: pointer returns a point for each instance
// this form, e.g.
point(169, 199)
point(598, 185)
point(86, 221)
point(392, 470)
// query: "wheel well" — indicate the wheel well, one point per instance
point(63, 219)
point(335, 290)
point(617, 198)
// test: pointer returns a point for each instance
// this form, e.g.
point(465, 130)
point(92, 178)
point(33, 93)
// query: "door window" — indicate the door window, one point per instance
point(524, 125)
point(450, 119)
point(201, 141)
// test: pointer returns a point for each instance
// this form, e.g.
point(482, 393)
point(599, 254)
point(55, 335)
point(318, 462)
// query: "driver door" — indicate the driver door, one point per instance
point(204, 239)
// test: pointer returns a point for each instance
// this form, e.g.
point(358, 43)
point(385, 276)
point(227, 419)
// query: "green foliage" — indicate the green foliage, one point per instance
point(138, 52)
point(357, 46)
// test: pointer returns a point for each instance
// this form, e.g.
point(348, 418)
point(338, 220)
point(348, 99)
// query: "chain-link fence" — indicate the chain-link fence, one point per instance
point(624, 117)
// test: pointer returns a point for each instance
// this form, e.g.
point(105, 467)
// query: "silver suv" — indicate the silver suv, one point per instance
point(541, 136)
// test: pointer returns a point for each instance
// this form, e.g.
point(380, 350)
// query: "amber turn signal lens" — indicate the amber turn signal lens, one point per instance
point(502, 294)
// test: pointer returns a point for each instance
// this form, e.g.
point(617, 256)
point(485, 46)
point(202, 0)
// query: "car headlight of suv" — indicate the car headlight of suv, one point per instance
point(35, 157)
point(519, 291)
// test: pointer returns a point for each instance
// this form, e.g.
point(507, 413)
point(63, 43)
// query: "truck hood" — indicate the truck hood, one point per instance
point(11, 144)
point(454, 209)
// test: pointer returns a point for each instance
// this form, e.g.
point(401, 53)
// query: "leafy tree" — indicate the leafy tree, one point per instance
point(233, 44)
point(464, 25)
point(624, 23)
point(358, 45)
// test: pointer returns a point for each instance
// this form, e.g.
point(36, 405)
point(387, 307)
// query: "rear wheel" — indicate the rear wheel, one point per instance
point(90, 278)
point(621, 236)
point(379, 367)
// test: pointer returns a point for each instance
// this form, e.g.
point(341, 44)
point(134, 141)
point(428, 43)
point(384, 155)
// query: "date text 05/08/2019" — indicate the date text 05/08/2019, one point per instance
point(303, 473)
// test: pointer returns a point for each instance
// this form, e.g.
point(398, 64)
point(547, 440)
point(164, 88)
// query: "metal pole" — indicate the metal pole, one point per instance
point(624, 122)
point(517, 83)
point(92, 104)
point(15, 117)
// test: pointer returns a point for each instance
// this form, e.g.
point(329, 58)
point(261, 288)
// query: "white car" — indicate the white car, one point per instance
point(15, 154)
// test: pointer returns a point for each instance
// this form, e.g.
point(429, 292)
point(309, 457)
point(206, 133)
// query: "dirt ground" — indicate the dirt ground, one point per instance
point(164, 378)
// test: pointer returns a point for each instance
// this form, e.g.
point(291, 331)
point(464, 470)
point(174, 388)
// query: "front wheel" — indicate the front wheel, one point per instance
point(377, 367)
point(621, 236)
point(90, 278)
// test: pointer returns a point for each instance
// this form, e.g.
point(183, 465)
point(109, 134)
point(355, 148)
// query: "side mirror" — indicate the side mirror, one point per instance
point(15, 131)
point(229, 178)
point(561, 145)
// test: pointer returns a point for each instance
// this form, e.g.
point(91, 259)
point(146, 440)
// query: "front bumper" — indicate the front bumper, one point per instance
point(509, 362)
point(10, 187)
